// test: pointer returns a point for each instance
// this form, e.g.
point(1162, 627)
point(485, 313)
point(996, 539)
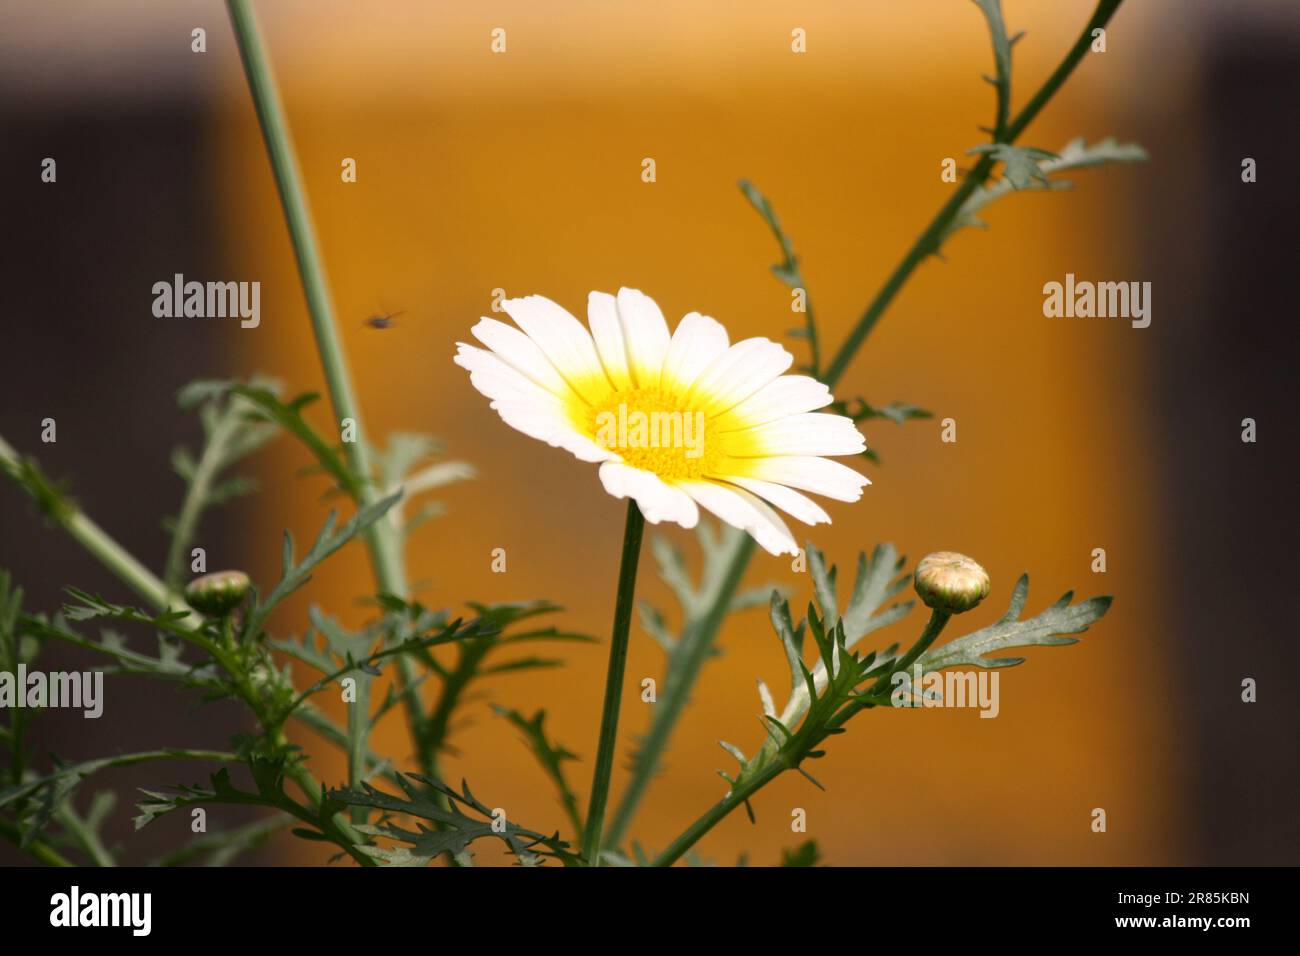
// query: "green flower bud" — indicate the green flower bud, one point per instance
point(952, 582)
point(218, 593)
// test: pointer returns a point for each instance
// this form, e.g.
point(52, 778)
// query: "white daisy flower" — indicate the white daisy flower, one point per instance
point(677, 422)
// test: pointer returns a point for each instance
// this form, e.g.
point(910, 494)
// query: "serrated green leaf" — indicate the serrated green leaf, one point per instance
point(295, 575)
point(288, 415)
point(789, 273)
point(1021, 165)
point(1076, 155)
point(230, 435)
point(50, 497)
point(551, 756)
point(897, 412)
point(1048, 628)
point(455, 829)
point(397, 470)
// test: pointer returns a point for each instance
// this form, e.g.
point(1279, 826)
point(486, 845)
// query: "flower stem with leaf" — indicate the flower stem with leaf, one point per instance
point(382, 542)
point(785, 758)
point(382, 539)
point(57, 508)
point(930, 240)
point(927, 244)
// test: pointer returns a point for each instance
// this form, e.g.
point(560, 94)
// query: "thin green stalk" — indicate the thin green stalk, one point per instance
point(929, 240)
point(698, 647)
point(279, 145)
point(715, 814)
point(454, 683)
point(140, 579)
point(382, 538)
point(781, 762)
point(933, 628)
point(85, 837)
point(632, 534)
point(39, 850)
point(88, 767)
point(74, 824)
point(1100, 17)
point(94, 539)
point(200, 486)
point(926, 244)
point(334, 828)
point(346, 837)
point(358, 739)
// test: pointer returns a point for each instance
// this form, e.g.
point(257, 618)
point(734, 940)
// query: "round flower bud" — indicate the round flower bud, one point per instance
point(218, 593)
point(952, 582)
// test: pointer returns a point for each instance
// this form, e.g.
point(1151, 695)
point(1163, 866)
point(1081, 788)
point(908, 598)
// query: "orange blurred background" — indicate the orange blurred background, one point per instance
point(522, 171)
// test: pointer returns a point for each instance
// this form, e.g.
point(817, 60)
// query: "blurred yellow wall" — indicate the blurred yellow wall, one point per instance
point(522, 171)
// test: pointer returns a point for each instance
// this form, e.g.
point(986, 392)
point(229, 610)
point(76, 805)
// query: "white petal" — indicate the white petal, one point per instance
point(821, 476)
point(566, 342)
point(602, 316)
point(787, 395)
point(522, 354)
point(787, 499)
point(657, 500)
point(552, 429)
point(495, 378)
point(739, 508)
point(814, 433)
point(697, 341)
point(738, 373)
point(526, 406)
point(646, 335)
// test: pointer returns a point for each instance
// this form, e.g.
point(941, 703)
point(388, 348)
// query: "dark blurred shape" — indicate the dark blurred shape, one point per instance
point(80, 345)
point(1227, 352)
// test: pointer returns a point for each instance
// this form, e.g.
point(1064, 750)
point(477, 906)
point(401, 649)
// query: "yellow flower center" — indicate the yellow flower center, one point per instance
point(654, 430)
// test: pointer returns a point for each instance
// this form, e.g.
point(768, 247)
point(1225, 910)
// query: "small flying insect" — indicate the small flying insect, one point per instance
point(382, 321)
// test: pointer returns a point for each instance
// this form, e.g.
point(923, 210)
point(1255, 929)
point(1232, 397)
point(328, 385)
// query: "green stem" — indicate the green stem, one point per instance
point(928, 242)
point(334, 828)
point(346, 837)
point(1100, 17)
point(200, 486)
point(39, 850)
point(780, 762)
point(74, 824)
point(382, 538)
point(279, 146)
point(88, 767)
point(358, 739)
point(84, 836)
point(688, 659)
point(141, 580)
point(715, 814)
point(94, 539)
point(933, 628)
point(632, 533)
point(454, 683)
point(930, 239)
